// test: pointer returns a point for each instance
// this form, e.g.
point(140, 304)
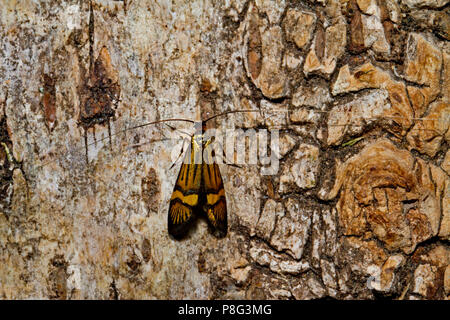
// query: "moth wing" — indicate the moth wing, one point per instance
point(185, 196)
point(215, 205)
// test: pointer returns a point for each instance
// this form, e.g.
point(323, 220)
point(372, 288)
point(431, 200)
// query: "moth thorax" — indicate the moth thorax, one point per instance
point(198, 140)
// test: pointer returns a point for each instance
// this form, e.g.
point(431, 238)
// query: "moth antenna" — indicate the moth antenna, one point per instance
point(139, 126)
point(180, 131)
point(228, 112)
point(151, 141)
point(336, 125)
point(341, 124)
point(181, 153)
point(87, 145)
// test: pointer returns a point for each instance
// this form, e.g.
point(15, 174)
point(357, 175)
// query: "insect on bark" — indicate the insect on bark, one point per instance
point(199, 188)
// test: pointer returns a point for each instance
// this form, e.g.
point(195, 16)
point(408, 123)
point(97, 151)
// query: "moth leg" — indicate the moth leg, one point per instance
point(155, 140)
point(228, 163)
point(221, 155)
point(181, 153)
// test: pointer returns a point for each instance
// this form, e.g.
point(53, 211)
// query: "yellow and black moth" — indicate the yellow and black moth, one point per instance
point(198, 189)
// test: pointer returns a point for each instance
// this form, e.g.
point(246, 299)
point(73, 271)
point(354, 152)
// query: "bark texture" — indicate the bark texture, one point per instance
point(359, 208)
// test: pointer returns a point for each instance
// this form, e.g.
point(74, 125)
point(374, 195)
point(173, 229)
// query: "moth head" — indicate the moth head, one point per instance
point(199, 136)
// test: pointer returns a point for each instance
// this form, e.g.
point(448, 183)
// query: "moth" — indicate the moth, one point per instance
point(198, 189)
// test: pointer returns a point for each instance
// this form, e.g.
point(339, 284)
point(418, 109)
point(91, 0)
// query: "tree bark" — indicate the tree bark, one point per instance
point(358, 92)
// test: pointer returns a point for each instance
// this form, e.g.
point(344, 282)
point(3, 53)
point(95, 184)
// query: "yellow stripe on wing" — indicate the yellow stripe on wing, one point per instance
point(217, 213)
point(212, 198)
point(190, 200)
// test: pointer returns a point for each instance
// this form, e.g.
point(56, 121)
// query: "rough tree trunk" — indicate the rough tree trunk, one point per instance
point(359, 207)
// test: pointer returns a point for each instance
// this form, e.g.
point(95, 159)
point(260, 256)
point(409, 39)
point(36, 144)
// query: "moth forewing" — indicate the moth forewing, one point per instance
point(186, 194)
point(214, 205)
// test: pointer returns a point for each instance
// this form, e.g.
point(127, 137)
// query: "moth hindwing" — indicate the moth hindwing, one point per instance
point(198, 190)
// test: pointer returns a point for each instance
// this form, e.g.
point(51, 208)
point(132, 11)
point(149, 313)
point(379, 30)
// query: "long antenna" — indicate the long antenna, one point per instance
point(139, 126)
point(263, 111)
point(324, 112)
point(123, 131)
point(228, 112)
